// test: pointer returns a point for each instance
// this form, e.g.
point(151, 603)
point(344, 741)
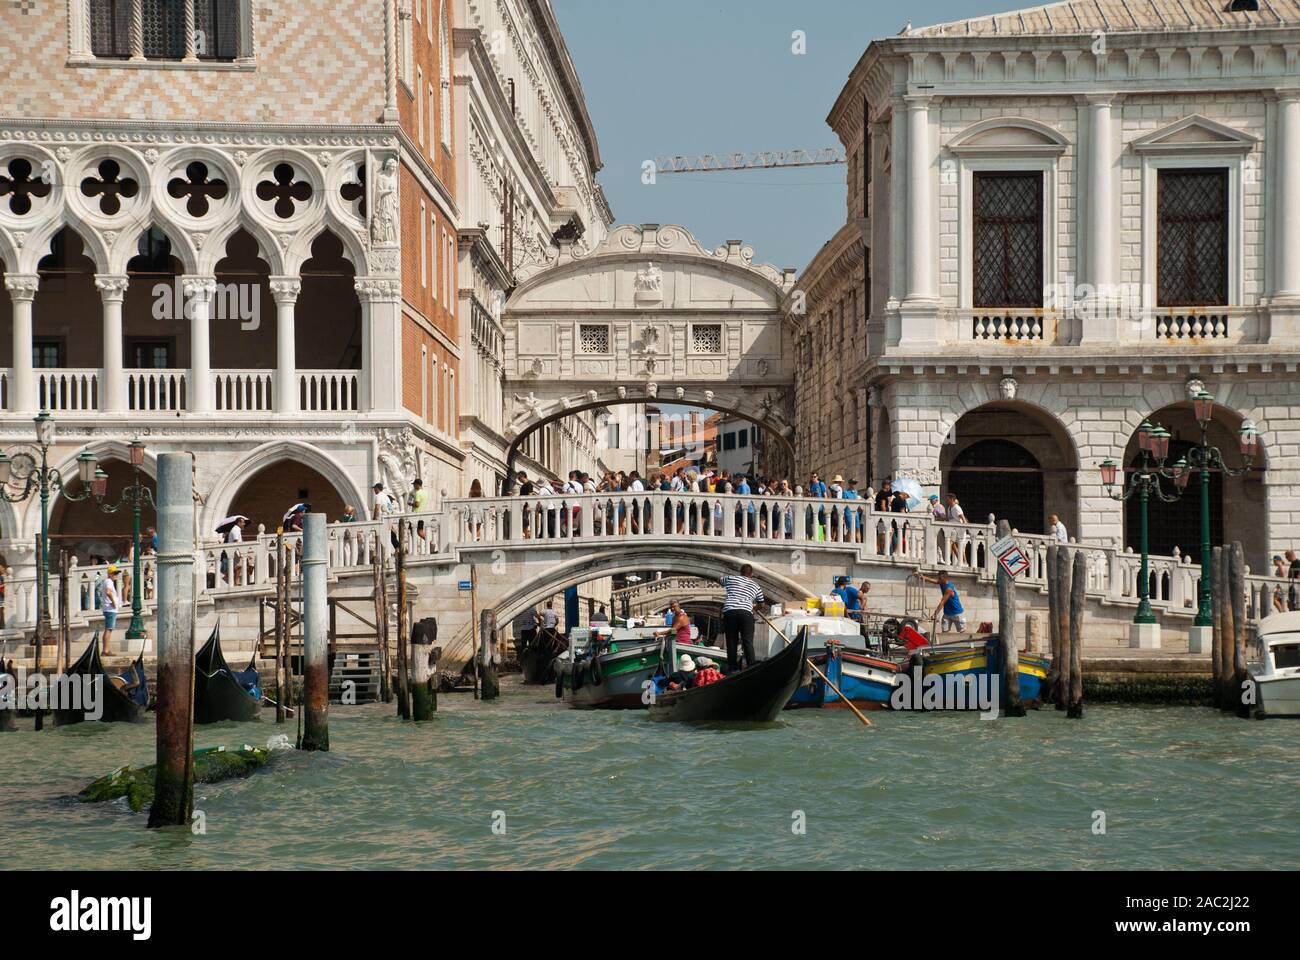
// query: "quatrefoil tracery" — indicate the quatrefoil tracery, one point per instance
point(20, 186)
point(198, 188)
point(284, 190)
point(111, 187)
point(356, 190)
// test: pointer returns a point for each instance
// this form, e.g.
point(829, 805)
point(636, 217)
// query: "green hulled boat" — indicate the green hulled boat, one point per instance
point(610, 669)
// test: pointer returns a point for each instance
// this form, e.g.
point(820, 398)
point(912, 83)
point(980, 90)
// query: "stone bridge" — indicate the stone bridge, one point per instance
point(519, 552)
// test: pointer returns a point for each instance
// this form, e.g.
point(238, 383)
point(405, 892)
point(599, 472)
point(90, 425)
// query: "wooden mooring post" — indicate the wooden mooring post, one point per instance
point(63, 655)
point(1078, 605)
point(1051, 684)
point(174, 776)
point(403, 646)
point(1237, 700)
point(8, 697)
point(381, 622)
point(1062, 579)
point(491, 686)
point(281, 594)
point(424, 696)
point(315, 636)
point(1012, 706)
point(1221, 617)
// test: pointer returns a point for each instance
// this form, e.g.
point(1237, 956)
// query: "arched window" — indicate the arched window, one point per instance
point(1002, 478)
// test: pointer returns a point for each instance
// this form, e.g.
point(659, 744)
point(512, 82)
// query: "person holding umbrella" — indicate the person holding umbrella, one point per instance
point(231, 530)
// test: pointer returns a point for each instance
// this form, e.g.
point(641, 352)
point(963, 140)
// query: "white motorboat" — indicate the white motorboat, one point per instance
point(1278, 680)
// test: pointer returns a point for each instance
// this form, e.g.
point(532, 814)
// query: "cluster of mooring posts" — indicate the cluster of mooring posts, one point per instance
point(1067, 585)
point(1232, 687)
point(174, 777)
point(416, 656)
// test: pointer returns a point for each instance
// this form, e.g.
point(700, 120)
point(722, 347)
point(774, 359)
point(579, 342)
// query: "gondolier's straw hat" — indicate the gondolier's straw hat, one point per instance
point(685, 663)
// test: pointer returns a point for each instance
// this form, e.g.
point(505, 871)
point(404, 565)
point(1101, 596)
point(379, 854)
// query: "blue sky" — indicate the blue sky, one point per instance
point(707, 76)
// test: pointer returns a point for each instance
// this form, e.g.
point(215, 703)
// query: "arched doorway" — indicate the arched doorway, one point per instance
point(1001, 478)
point(268, 494)
point(1238, 505)
point(1015, 462)
point(89, 533)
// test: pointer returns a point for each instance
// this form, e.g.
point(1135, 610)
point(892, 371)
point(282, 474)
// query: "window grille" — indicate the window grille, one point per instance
point(1008, 240)
point(707, 337)
point(1192, 237)
point(593, 338)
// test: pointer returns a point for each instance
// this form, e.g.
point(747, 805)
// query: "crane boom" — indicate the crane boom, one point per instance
point(766, 160)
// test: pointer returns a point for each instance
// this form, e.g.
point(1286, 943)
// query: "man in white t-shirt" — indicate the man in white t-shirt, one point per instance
point(1057, 529)
point(550, 619)
point(109, 601)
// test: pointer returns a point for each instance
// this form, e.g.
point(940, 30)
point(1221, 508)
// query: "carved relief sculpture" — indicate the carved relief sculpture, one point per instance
point(383, 225)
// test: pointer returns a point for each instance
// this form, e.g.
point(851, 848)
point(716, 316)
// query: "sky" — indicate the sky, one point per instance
point(707, 76)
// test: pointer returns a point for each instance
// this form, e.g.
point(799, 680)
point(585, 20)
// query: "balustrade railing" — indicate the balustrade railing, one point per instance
point(592, 520)
point(60, 390)
point(243, 391)
point(163, 390)
point(329, 391)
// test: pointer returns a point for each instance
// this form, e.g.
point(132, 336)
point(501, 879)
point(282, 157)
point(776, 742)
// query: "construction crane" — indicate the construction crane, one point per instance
point(767, 160)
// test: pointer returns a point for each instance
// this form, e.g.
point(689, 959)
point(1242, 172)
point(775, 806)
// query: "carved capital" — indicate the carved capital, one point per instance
point(22, 287)
point(285, 289)
point(199, 289)
point(111, 287)
point(378, 289)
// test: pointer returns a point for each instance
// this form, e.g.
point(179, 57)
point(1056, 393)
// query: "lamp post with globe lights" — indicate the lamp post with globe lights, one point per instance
point(137, 495)
point(26, 471)
point(1204, 459)
point(1153, 444)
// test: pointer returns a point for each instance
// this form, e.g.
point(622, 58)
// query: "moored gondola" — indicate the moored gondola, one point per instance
point(757, 694)
point(123, 698)
point(221, 693)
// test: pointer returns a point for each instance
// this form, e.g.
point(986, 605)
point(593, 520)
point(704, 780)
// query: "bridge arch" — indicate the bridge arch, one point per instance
point(630, 558)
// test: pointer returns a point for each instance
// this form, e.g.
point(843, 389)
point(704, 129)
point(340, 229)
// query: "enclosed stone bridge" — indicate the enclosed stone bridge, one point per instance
point(649, 317)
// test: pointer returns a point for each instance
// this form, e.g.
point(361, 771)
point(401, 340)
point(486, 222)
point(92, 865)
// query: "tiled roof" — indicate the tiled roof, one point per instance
point(1119, 16)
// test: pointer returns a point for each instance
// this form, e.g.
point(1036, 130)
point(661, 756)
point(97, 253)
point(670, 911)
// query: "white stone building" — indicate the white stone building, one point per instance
point(1074, 216)
point(528, 176)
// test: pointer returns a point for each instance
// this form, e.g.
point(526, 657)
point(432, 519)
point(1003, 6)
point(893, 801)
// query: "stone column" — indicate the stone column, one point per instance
point(1285, 312)
point(1099, 320)
point(112, 290)
point(22, 289)
point(285, 290)
point(381, 343)
point(137, 29)
point(191, 44)
point(920, 309)
point(198, 307)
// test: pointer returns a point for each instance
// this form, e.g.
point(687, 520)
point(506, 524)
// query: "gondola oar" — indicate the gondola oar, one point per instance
point(827, 680)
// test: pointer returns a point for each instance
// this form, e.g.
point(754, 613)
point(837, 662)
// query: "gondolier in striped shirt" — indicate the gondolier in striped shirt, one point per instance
point(742, 594)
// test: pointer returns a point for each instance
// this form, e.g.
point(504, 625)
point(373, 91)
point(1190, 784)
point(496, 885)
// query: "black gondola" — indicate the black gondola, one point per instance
point(124, 697)
point(757, 694)
point(221, 693)
point(537, 659)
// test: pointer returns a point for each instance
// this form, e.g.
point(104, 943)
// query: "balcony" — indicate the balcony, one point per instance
point(69, 390)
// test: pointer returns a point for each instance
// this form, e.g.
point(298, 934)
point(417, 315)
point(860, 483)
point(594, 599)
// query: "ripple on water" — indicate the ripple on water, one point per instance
point(1180, 788)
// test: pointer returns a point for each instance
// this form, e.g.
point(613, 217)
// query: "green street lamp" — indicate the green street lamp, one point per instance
point(136, 495)
point(1204, 458)
point(28, 471)
point(1153, 443)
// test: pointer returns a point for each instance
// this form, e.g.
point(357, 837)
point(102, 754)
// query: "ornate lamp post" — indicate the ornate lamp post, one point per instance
point(1205, 458)
point(1153, 443)
point(137, 495)
point(27, 471)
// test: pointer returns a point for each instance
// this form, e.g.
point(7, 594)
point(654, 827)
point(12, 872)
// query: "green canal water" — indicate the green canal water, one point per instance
point(1179, 787)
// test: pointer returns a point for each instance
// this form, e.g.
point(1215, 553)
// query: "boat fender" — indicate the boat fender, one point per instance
point(597, 678)
point(559, 685)
point(577, 677)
